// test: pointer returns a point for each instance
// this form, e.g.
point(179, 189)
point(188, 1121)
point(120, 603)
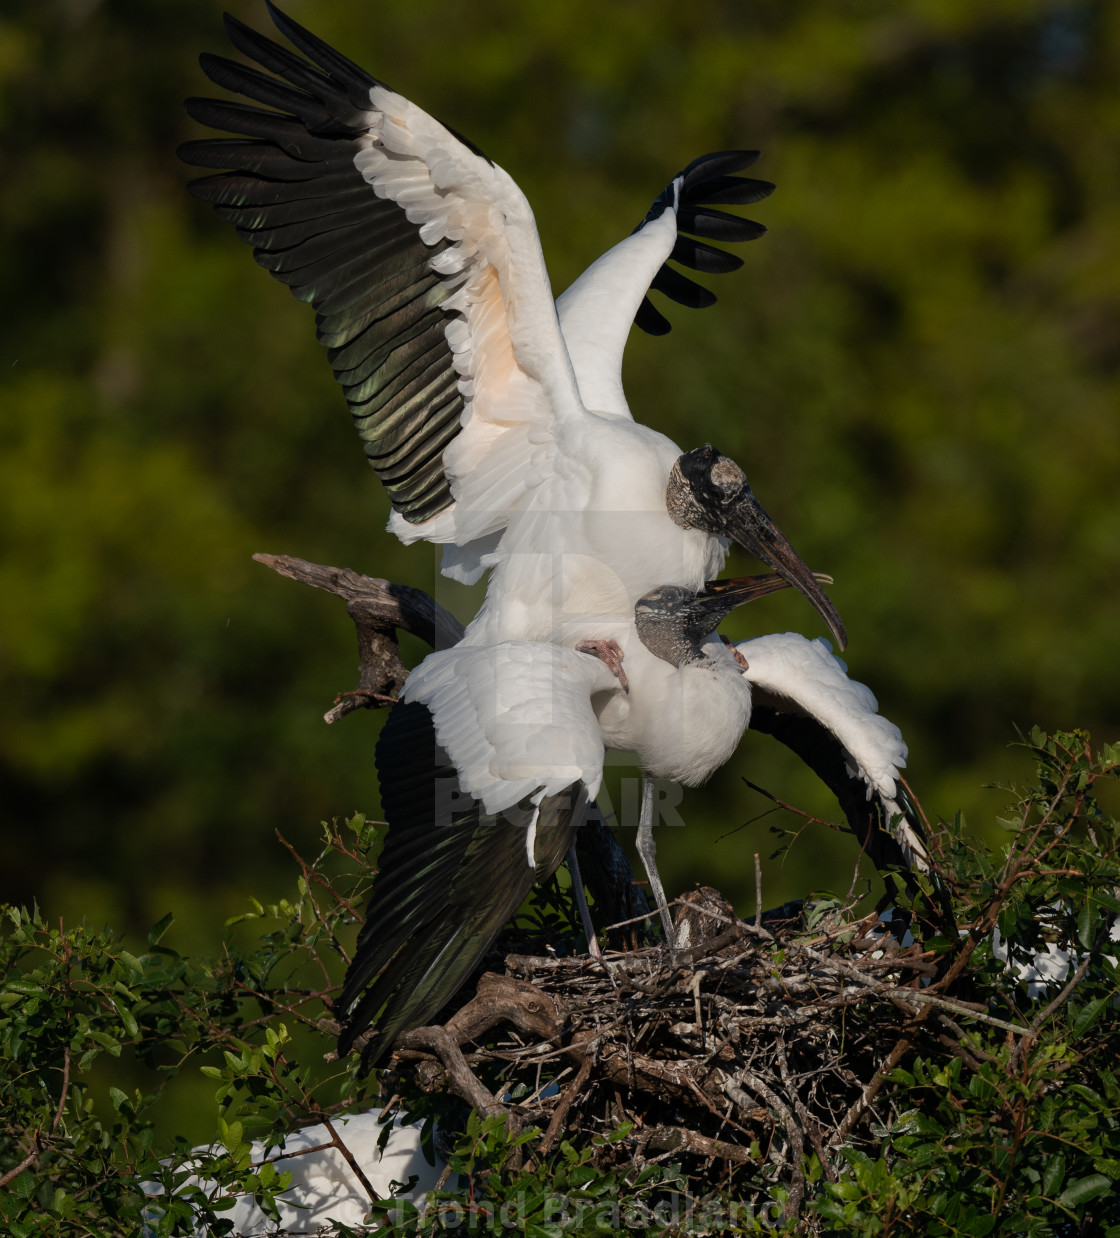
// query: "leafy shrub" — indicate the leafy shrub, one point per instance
point(991, 1106)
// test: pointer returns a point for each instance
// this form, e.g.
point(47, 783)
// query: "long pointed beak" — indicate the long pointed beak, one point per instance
point(748, 588)
point(753, 529)
point(721, 597)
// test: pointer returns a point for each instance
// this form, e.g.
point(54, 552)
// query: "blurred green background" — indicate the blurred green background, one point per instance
point(918, 367)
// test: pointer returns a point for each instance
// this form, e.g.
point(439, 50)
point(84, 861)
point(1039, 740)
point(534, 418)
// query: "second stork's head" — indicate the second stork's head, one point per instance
point(710, 492)
point(674, 622)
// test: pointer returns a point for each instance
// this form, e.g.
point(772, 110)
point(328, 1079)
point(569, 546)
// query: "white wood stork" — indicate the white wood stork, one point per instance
point(488, 766)
point(324, 1191)
point(495, 419)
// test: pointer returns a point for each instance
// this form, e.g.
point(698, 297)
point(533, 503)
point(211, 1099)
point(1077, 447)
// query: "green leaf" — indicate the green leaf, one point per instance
point(1054, 1174)
point(1089, 1013)
point(1085, 924)
point(25, 1185)
point(127, 1018)
point(1084, 1190)
point(159, 928)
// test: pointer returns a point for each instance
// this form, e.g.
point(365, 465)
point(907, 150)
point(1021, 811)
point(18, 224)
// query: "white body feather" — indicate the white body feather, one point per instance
point(515, 718)
point(683, 722)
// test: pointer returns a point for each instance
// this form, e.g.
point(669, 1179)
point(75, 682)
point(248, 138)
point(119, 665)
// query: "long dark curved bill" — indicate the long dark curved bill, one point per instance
point(753, 529)
point(720, 597)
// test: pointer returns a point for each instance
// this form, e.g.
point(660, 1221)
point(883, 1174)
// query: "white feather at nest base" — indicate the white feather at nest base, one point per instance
point(324, 1189)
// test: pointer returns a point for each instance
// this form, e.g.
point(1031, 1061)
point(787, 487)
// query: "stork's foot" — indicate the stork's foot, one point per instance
point(610, 654)
point(361, 696)
point(744, 665)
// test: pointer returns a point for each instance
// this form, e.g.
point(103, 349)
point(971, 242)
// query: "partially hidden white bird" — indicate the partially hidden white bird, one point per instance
point(494, 416)
point(324, 1190)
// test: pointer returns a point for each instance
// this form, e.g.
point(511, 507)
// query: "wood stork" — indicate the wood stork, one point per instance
point(494, 417)
point(324, 1190)
point(488, 766)
point(1045, 969)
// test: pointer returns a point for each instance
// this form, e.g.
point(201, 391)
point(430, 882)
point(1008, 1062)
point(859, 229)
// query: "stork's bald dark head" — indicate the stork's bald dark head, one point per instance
point(672, 622)
point(666, 621)
point(707, 491)
point(703, 486)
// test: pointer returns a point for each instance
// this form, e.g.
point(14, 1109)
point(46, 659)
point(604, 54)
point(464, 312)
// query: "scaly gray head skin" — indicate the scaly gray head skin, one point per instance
point(708, 491)
point(673, 622)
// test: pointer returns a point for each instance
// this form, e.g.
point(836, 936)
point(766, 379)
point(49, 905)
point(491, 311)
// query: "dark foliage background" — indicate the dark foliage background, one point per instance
point(918, 367)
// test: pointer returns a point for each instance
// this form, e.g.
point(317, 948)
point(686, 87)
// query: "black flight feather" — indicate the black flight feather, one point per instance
point(449, 877)
point(293, 192)
point(705, 181)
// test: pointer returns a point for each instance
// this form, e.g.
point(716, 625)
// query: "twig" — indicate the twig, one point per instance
point(855, 870)
point(875, 1084)
point(1056, 1004)
point(310, 875)
point(357, 698)
point(917, 804)
point(351, 1160)
point(692, 954)
point(812, 1127)
point(917, 996)
point(38, 1140)
point(798, 812)
point(560, 1114)
point(26, 1163)
point(923, 996)
point(1062, 997)
point(797, 1146)
point(681, 1139)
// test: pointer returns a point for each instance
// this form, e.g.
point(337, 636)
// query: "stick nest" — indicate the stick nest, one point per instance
point(738, 1054)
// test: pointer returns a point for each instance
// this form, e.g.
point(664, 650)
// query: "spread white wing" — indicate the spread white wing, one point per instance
point(597, 311)
point(801, 693)
point(422, 260)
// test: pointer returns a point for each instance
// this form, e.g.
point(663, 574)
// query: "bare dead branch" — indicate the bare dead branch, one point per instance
point(750, 1080)
point(560, 1114)
point(681, 1139)
point(464, 1082)
point(350, 1159)
point(378, 609)
point(38, 1140)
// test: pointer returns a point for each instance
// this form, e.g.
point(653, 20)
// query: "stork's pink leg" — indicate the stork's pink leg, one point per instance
point(744, 665)
point(610, 654)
